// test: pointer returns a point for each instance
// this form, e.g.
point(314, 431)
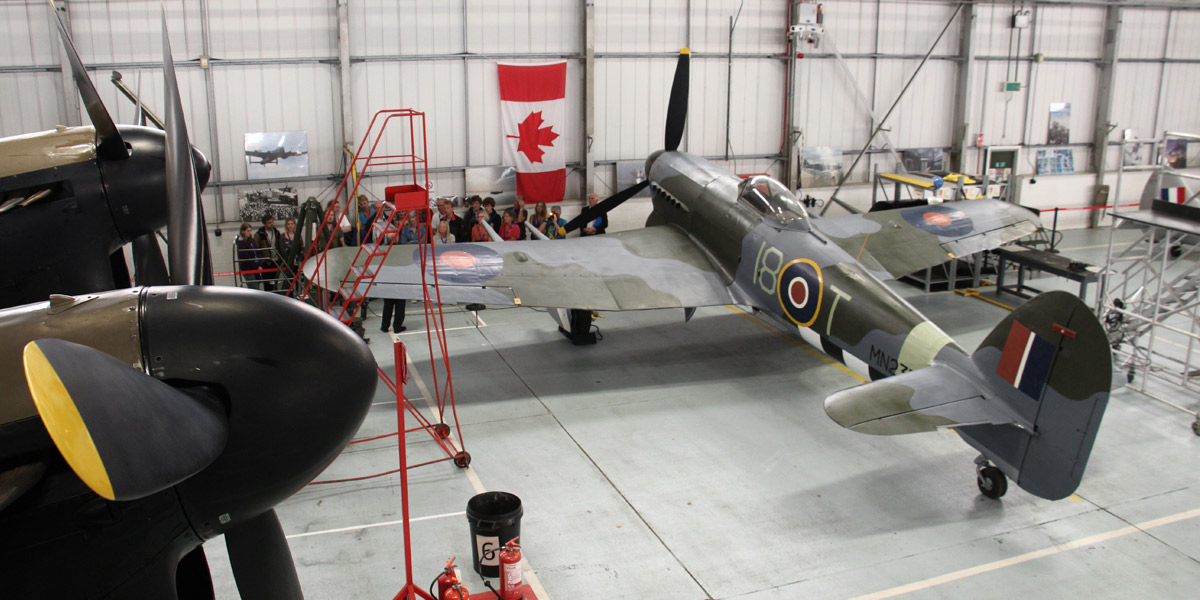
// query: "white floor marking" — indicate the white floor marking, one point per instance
point(477, 484)
point(372, 525)
point(1016, 560)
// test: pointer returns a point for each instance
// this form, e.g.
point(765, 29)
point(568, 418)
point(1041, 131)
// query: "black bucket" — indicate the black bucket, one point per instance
point(495, 519)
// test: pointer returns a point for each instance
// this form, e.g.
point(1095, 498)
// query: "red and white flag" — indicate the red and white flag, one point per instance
point(533, 109)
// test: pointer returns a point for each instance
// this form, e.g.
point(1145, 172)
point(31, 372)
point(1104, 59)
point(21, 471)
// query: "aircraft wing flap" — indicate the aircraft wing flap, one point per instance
point(655, 267)
point(932, 398)
point(906, 240)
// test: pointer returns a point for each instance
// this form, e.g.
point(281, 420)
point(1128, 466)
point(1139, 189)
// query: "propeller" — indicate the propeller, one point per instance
point(678, 105)
point(676, 118)
point(187, 246)
point(132, 436)
point(149, 268)
point(109, 144)
point(261, 560)
point(592, 213)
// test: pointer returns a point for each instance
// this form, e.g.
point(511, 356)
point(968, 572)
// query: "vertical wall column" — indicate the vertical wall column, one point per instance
point(343, 24)
point(210, 92)
point(960, 128)
point(589, 97)
point(1104, 97)
point(68, 100)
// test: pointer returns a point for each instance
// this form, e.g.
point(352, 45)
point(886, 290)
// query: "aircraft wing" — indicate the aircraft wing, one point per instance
point(654, 267)
point(905, 240)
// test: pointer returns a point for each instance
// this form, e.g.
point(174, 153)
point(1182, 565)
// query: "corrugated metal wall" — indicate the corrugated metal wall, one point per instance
point(275, 68)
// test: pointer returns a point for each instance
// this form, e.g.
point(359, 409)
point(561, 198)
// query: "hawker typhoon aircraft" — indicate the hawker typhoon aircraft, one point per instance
point(1030, 398)
point(137, 423)
point(266, 157)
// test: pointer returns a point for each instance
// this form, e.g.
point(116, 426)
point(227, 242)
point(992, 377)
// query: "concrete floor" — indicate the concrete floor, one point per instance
point(695, 460)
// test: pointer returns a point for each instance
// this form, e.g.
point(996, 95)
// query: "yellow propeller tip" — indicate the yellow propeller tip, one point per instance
point(685, 50)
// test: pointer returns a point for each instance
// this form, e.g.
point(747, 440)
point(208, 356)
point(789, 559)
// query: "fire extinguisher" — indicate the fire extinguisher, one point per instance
point(510, 571)
point(458, 591)
point(447, 579)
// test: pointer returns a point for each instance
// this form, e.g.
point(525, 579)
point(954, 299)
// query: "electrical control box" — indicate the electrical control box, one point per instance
point(1022, 18)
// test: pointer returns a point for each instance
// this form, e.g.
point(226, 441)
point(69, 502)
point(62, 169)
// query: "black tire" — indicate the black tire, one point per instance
point(992, 482)
point(462, 460)
point(441, 430)
point(1196, 427)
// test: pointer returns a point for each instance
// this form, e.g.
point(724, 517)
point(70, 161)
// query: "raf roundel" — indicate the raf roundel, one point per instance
point(800, 291)
point(463, 263)
point(939, 219)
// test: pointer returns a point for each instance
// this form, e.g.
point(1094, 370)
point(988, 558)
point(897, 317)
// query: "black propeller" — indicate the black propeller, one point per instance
point(149, 268)
point(677, 108)
point(676, 117)
point(591, 213)
point(187, 245)
point(261, 560)
point(109, 144)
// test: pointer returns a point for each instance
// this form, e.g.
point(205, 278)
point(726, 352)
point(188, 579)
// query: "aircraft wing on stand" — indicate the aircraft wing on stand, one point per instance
point(901, 241)
point(655, 267)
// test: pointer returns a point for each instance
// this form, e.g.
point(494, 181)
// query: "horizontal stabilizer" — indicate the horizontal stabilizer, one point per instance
point(931, 398)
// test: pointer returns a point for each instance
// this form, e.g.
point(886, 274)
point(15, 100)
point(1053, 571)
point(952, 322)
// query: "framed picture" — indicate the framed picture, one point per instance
point(1060, 124)
point(276, 155)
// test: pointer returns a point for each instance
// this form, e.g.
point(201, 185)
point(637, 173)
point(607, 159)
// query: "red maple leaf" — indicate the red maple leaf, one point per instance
point(533, 135)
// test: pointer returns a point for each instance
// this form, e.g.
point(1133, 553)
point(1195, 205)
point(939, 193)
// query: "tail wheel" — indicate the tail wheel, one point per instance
point(992, 482)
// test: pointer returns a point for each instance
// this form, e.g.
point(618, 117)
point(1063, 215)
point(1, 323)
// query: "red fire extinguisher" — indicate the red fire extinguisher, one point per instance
point(448, 579)
point(510, 571)
point(458, 591)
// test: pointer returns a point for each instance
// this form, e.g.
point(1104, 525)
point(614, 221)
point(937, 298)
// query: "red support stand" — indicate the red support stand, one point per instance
point(409, 591)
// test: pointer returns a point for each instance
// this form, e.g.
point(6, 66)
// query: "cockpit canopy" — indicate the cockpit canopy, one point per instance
point(773, 201)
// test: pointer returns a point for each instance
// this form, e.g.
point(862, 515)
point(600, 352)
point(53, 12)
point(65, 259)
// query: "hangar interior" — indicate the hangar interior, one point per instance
point(695, 460)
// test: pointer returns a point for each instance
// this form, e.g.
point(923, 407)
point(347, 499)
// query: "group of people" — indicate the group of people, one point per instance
point(269, 258)
point(511, 224)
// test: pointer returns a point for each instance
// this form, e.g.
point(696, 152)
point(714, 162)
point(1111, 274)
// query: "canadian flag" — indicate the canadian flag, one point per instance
point(533, 109)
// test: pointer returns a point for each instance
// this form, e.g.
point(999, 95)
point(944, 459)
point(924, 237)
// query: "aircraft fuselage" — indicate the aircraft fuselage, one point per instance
point(775, 258)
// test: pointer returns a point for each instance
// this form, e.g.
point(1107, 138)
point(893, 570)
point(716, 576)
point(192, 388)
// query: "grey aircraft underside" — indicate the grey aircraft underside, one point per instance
point(1029, 399)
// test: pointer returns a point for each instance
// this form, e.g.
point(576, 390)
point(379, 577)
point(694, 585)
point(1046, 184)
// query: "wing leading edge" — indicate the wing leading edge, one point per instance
point(655, 267)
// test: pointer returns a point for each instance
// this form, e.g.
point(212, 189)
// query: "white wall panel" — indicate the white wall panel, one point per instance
point(30, 102)
point(1143, 33)
point(408, 27)
point(1135, 94)
point(827, 109)
point(997, 114)
point(1071, 31)
point(759, 30)
point(1064, 82)
point(1184, 42)
point(912, 27)
point(851, 25)
point(1180, 93)
point(115, 31)
point(29, 34)
point(639, 26)
point(631, 106)
point(425, 86)
point(249, 29)
point(267, 98)
point(524, 26)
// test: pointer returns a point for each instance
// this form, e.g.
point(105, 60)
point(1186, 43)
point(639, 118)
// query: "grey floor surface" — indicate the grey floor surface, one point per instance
point(695, 460)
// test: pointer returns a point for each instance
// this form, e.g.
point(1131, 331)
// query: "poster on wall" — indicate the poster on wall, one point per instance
point(498, 182)
point(924, 160)
point(276, 155)
point(282, 203)
point(820, 166)
point(630, 172)
point(1177, 153)
point(1060, 124)
point(1055, 162)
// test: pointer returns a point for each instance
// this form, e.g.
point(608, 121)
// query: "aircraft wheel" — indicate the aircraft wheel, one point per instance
point(462, 460)
point(992, 482)
point(1196, 426)
point(441, 430)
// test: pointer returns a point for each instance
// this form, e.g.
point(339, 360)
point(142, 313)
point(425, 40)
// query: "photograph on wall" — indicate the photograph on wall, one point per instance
point(630, 172)
point(1177, 153)
point(1060, 123)
point(498, 182)
point(276, 155)
point(281, 203)
point(1055, 162)
point(820, 166)
point(924, 160)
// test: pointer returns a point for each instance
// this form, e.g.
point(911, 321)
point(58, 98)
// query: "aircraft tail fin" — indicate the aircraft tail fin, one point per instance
point(1030, 399)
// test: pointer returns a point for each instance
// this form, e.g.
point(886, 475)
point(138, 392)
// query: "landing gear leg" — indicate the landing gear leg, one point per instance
point(991, 481)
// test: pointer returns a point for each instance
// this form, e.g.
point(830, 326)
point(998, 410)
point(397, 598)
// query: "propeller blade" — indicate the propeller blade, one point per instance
point(149, 268)
point(261, 560)
point(677, 108)
point(187, 250)
point(193, 580)
point(125, 434)
point(120, 269)
point(591, 213)
point(109, 144)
